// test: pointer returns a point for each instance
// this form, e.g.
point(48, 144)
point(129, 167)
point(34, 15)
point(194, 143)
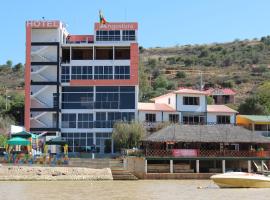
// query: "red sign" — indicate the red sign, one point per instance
point(116, 26)
point(184, 152)
point(43, 24)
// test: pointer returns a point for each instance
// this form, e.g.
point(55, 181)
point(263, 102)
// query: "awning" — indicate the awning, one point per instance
point(22, 134)
point(18, 141)
point(56, 141)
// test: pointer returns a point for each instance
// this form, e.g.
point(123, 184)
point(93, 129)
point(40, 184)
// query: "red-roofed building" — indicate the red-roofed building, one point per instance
point(187, 106)
point(221, 95)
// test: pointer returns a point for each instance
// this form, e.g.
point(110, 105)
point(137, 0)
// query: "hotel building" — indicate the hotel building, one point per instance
point(77, 86)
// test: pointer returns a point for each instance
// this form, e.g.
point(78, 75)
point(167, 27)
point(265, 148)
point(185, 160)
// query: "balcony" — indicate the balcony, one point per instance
point(196, 153)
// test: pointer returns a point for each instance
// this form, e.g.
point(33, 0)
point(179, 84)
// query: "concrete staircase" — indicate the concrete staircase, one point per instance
point(123, 175)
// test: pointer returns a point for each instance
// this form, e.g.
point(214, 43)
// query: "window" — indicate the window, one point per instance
point(223, 119)
point(193, 119)
point(108, 35)
point(77, 97)
point(101, 121)
point(103, 72)
point(150, 117)
point(174, 118)
point(65, 74)
point(68, 120)
point(81, 72)
point(128, 35)
point(65, 55)
point(169, 100)
point(121, 72)
point(85, 120)
point(191, 100)
point(115, 97)
point(79, 142)
point(121, 53)
point(82, 54)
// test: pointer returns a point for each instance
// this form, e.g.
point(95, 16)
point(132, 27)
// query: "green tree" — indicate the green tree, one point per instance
point(251, 106)
point(210, 100)
point(161, 82)
point(9, 63)
point(181, 74)
point(16, 108)
point(3, 140)
point(127, 135)
point(263, 96)
point(18, 67)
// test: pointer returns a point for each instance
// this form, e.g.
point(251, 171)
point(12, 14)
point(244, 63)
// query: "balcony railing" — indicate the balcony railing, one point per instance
point(204, 153)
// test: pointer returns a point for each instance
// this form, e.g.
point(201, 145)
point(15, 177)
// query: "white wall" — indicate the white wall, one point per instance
point(212, 117)
point(191, 108)
point(141, 115)
point(166, 98)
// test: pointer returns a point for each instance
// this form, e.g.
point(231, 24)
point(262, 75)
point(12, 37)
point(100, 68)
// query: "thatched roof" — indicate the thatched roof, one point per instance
point(206, 133)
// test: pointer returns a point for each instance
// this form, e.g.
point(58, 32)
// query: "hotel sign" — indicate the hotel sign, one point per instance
point(43, 24)
point(116, 26)
point(184, 152)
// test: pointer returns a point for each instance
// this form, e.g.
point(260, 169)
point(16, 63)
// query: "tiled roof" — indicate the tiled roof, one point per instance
point(190, 91)
point(155, 107)
point(257, 118)
point(164, 95)
point(220, 108)
point(221, 91)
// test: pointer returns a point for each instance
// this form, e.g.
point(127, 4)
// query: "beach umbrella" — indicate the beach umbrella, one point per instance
point(18, 141)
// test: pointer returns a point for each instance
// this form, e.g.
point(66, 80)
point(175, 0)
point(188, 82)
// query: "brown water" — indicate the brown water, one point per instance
point(145, 189)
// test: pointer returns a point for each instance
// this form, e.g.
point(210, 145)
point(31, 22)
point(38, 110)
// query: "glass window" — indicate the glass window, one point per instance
point(77, 98)
point(193, 119)
point(174, 118)
point(65, 74)
point(68, 120)
point(150, 117)
point(81, 73)
point(85, 120)
point(112, 35)
point(103, 72)
point(191, 100)
point(121, 72)
point(223, 119)
point(128, 35)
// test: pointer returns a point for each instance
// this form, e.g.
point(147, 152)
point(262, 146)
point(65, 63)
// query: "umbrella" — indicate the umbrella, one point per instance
point(22, 134)
point(18, 141)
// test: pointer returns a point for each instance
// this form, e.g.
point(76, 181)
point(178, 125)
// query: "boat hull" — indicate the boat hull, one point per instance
point(241, 180)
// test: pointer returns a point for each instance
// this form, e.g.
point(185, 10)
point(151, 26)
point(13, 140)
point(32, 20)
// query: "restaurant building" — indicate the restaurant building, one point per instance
point(77, 86)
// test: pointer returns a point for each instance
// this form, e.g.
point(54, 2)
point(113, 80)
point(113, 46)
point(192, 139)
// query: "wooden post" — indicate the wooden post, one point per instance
point(171, 166)
point(197, 166)
point(262, 166)
point(249, 166)
point(223, 166)
point(145, 166)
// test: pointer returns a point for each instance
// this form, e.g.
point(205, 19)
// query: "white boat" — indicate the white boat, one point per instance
point(241, 180)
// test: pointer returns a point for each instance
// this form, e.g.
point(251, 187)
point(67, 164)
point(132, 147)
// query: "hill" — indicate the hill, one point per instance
point(241, 65)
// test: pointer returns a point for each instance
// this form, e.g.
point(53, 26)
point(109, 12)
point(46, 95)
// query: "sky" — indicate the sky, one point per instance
point(162, 23)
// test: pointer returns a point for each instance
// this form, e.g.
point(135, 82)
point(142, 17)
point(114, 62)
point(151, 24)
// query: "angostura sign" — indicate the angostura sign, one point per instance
point(116, 26)
point(43, 24)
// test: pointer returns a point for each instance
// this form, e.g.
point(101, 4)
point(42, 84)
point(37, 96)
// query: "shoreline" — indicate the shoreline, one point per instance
point(37, 173)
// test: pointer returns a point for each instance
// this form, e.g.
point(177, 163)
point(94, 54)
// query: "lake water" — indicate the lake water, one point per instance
point(143, 189)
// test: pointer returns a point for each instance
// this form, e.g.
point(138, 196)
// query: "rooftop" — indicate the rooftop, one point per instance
point(155, 107)
point(220, 109)
point(206, 133)
point(220, 91)
point(190, 91)
point(256, 118)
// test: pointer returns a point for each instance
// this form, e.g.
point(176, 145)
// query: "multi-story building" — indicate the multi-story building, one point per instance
point(185, 106)
point(77, 86)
